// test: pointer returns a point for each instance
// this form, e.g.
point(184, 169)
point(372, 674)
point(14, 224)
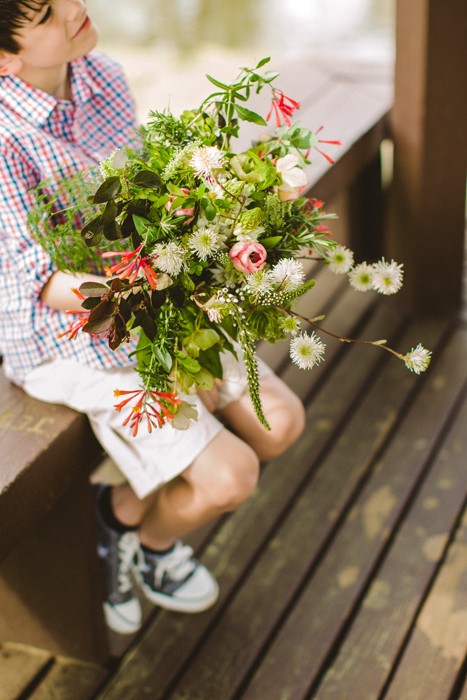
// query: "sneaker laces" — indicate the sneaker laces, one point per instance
point(128, 545)
point(176, 565)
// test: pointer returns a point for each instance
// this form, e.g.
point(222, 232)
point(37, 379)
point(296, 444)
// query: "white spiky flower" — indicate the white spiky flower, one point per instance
point(306, 350)
point(387, 277)
point(340, 259)
point(361, 277)
point(259, 283)
point(287, 274)
point(169, 257)
point(290, 325)
point(206, 160)
point(418, 359)
point(204, 242)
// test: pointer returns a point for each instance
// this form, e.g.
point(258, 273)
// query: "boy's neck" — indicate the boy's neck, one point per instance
point(55, 82)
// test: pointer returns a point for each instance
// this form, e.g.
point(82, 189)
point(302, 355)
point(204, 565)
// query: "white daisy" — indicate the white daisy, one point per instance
point(205, 160)
point(169, 257)
point(204, 242)
point(387, 277)
point(306, 350)
point(340, 259)
point(287, 274)
point(361, 277)
point(418, 359)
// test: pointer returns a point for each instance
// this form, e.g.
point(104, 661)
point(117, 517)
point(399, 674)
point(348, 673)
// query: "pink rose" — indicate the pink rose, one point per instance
point(180, 211)
point(247, 256)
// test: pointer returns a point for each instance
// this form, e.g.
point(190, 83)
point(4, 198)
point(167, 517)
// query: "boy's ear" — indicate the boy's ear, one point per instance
point(10, 63)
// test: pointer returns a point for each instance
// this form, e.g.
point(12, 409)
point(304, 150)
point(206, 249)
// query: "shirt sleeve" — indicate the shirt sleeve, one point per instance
point(22, 256)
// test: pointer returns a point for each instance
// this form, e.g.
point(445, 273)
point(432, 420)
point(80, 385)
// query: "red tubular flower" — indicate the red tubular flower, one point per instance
point(76, 325)
point(282, 107)
point(130, 265)
point(333, 142)
point(156, 406)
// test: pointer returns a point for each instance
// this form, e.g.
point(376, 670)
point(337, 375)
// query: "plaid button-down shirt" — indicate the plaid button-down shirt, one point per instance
point(40, 136)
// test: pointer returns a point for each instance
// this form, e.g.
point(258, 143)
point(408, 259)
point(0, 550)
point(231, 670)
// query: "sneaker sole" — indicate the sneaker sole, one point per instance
point(119, 624)
point(177, 605)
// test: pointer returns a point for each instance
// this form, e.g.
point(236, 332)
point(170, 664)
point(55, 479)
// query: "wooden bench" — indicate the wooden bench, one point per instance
point(49, 591)
point(49, 595)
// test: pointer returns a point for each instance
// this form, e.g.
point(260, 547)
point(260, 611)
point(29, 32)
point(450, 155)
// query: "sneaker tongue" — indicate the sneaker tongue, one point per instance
point(178, 564)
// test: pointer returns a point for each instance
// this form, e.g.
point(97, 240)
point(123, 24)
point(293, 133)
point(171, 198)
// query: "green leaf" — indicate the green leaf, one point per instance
point(204, 379)
point(210, 360)
point(149, 327)
point(164, 358)
point(109, 188)
point(263, 62)
point(142, 225)
point(147, 178)
point(188, 364)
point(217, 83)
point(270, 242)
point(93, 289)
point(210, 212)
point(205, 338)
point(249, 116)
point(110, 212)
point(112, 231)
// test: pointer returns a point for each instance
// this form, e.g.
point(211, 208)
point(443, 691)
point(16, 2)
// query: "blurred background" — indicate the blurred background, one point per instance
point(167, 46)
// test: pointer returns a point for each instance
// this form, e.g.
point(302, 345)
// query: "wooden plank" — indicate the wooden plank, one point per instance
point(369, 651)
point(463, 692)
point(19, 666)
point(50, 585)
point(226, 657)
point(69, 679)
point(34, 438)
point(438, 643)
point(156, 660)
point(430, 146)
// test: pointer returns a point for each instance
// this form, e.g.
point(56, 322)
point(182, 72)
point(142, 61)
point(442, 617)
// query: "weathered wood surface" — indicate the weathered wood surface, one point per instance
point(345, 572)
point(343, 576)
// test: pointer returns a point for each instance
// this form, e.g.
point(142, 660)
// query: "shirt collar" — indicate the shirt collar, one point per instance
point(34, 104)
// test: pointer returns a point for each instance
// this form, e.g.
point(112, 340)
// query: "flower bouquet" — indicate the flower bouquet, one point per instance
point(203, 248)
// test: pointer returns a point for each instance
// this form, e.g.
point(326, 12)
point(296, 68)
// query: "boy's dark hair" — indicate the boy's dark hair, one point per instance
point(13, 14)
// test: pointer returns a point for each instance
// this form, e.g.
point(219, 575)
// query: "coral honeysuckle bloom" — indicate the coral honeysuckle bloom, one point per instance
point(131, 265)
point(282, 107)
point(156, 406)
point(332, 142)
point(76, 325)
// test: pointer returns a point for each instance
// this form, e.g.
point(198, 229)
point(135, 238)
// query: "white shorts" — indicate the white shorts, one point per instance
point(150, 459)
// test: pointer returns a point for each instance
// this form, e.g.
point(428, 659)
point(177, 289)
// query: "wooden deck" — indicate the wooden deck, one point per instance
point(344, 576)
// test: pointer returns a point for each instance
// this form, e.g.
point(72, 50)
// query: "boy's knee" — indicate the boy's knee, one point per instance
point(235, 479)
point(285, 430)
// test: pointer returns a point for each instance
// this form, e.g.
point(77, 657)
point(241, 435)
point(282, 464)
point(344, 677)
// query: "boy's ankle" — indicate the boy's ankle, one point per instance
point(106, 511)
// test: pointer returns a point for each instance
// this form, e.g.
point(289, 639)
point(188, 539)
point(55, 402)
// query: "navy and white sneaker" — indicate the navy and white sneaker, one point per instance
point(176, 581)
point(117, 552)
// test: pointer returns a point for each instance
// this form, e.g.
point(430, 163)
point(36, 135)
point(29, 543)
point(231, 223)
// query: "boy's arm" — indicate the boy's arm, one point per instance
point(58, 291)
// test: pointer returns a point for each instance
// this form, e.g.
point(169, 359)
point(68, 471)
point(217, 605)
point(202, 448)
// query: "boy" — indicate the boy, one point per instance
point(63, 108)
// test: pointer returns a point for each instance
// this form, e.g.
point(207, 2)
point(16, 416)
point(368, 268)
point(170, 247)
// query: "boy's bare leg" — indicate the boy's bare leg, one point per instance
point(218, 480)
point(283, 410)
point(222, 476)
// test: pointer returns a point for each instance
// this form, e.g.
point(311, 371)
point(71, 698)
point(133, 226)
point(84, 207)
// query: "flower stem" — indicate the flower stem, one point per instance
point(376, 343)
